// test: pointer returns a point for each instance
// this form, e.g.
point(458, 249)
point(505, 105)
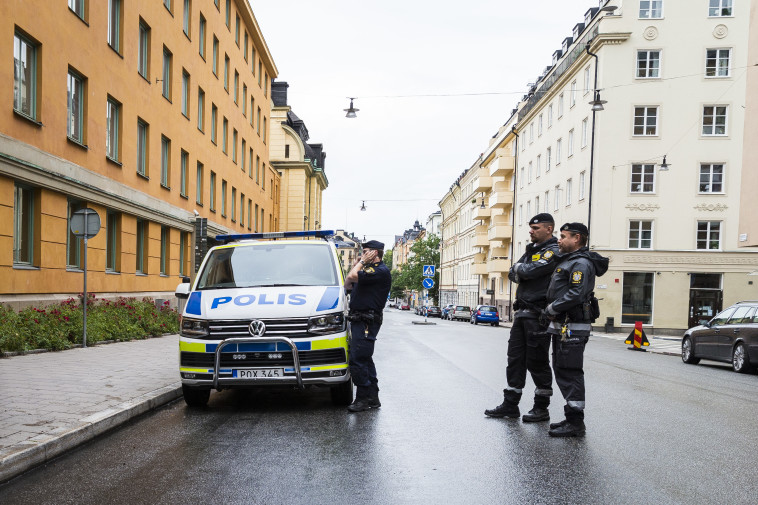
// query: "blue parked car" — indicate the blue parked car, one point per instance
point(485, 314)
point(446, 309)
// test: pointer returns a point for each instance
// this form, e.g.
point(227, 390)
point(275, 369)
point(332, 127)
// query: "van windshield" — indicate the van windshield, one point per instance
point(270, 264)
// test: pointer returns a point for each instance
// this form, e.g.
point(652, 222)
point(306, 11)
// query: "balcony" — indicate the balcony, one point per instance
point(498, 266)
point(501, 196)
point(502, 166)
point(482, 213)
point(499, 233)
point(483, 182)
point(480, 239)
point(479, 269)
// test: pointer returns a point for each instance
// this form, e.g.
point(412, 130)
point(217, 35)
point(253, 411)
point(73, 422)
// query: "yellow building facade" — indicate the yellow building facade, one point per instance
point(156, 114)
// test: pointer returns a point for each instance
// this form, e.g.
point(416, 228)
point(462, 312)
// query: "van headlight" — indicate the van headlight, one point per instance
point(327, 323)
point(194, 328)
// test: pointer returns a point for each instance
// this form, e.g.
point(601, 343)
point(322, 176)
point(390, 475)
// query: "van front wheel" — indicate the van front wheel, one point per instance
point(194, 397)
point(342, 394)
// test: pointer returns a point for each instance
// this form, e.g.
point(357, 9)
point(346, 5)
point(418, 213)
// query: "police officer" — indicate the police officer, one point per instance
point(371, 281)
point(529, 345)
point(570, 311)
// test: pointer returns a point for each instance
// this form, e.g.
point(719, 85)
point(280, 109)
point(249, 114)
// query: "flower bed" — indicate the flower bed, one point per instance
point(58, 327)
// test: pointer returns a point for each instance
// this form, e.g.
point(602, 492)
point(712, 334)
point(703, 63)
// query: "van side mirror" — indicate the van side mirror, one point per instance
point(182, 291)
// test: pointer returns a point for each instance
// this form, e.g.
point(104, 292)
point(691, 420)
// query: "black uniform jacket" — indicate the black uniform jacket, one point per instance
point(532, 272)
point(372, 288)
point(572, 282)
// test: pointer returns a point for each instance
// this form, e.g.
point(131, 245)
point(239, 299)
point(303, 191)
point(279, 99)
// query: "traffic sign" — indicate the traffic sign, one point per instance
point(428, 283)
point(428, 270)
point(85, 223)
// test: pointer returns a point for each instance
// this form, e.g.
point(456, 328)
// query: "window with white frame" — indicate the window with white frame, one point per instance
point(586, 80)
point(112, 129)
point(167, 63)
point(165, 160)
point(185, 93)
point(572, 96)
point(714, 119)
point(521, 214)
point(648, 64)
point(571, 143)
point(539, 165)
point(528, 209)
point(646, 121)
point(584, 132)
point(640, 234)
point(536, 203)
point(77, 7)
point(539, 126)
point(642, 178)
point(711, 178)
point(558, 146)
point(582, 176)
point(547, 201)
point(530, 173)
point(186, 19)
point(709, 235)
point(720, 8)
point(531, 132)
point(184, 166)
point(521, 177)
point(651, 9)
point(560, 105)
point(548, 159)
point(550, 115)
point(557, 198)
point(144, 49)
point(569, 188)
point(717, 62)
point(114, 25)
point(24, 76)
point(75, 123)
point(142, 154)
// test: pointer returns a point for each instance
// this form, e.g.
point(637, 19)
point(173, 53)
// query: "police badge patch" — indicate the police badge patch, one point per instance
point(576, 277)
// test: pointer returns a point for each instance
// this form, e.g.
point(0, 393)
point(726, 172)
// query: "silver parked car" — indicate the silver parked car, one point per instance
point(459, 313)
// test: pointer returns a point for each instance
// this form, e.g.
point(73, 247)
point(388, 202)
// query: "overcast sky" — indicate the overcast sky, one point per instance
point(407, 149)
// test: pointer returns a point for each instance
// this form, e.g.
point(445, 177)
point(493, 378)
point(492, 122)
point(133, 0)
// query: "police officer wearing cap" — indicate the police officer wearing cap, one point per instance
point(529, 345)
point(371, 281)
point(570, 311)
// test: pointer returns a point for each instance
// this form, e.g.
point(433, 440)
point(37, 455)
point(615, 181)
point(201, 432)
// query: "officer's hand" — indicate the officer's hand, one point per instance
point(546, 316)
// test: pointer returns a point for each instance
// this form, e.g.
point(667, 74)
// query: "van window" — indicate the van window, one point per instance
point(269, 264)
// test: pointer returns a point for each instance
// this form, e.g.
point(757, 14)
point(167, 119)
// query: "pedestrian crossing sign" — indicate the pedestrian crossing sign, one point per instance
point(428, 270)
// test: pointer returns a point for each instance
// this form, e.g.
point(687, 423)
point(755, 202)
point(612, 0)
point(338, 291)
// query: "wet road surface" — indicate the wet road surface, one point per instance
point(658, 431)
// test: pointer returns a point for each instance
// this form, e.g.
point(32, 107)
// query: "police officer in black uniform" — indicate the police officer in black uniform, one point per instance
point(571, 309)
point(529, 345)
point(371, 281)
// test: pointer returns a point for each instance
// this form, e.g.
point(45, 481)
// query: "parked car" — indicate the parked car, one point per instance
point(404, 306)
point(485, 314)
point(446, 310)
point(731, 336)
point(434, 311)
point(460, 313)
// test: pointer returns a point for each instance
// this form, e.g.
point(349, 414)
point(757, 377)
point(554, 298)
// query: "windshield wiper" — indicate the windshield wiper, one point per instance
point(274, 285)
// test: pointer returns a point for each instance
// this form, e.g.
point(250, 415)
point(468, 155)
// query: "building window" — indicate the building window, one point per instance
point(228, 14)
point(258, 122)
point(167, 5)
point(114, 25)
point(521, 178)
point(224, 135)
point(112, 129)
point(550, 115)
point(167, 57)
point(556, 200)
point(200, 109)
point(651, 9)
point(530, 173)
point(250, 213)
point(244, 100)
point(183, 256)
point(165, 248)
point(560, 105)
point(539, 126)
point(548, 159)
point(709, 235)
point(256, 218)
point(223, 198)
point(252, 108)
point(720, 8)
point(539, 166)
point(212, 198)
point(531, 132)
point(144, 49)
point(714, 119)
point(558, 149)
point(571, 143)
point(199, 184)
point(640, 234)
point(141, 256)
point(260, 73)
point(77, 7)
point(711, 178)
point(584, 132)
point(183, 176)
point(243, 149)
point(250, 165)
point(264, 129)
point(215, 56)
point(186, 19)
point(648, 64)
point(257, 169)
point(75, 130)
point(185, 93)
point(24, 76)
point(214, 121)
point(226, 73)
point(572, 96)
point(142, 147)
point(569, 188)
point(643, 178)
point(112, 244)
point(586, 80)
point(236, 86)
point(581, 185)
point(547, 203)
point(234, 145)
point(242, 209)
point(234, 204)
point(645, 121)
point(717, 62)
point(528, 212)
point(237, 30)
point(165, 161)
point(24, 223)
point(637, 298)
point(202, 36)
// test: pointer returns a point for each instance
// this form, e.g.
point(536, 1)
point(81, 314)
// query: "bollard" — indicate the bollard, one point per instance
point(637, 338)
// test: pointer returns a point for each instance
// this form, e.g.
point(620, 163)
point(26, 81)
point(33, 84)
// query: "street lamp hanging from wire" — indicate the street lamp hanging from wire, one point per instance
point(351, 112)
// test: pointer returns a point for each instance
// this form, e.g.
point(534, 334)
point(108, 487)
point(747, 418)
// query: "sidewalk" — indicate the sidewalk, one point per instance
point(54, 401)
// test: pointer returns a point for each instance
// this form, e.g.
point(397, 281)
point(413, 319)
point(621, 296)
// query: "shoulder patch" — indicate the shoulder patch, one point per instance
point(559, 270)
point(548, 255)
point(576, 277)
point(536, 257)
point(369, 270)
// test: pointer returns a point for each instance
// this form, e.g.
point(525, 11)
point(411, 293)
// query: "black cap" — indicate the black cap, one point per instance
point(576, 228)
point(543, 217)
point(373, 244)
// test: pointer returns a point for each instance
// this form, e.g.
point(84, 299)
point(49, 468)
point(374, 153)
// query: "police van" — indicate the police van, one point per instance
point(266, 309)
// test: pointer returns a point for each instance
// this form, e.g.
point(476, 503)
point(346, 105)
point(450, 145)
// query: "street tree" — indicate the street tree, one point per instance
point(424, 252)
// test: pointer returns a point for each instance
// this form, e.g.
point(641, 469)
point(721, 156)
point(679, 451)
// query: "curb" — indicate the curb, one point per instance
point(24, 456)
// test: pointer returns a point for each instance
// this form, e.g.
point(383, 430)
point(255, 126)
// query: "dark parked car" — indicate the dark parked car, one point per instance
point(485, 314)
point(434, 311)
point(731, 336)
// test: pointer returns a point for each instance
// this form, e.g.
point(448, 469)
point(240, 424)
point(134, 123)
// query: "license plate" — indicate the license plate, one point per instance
point(258, 373)
point(489, 314)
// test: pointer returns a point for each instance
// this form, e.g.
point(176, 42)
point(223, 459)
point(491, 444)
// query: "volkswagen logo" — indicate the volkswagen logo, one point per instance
point(257, 328)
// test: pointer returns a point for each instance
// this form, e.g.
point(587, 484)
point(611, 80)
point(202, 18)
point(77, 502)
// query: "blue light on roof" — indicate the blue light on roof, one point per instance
point(275, 235)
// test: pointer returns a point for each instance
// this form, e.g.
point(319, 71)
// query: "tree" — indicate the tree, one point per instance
point(387, 259)
point(410, 277)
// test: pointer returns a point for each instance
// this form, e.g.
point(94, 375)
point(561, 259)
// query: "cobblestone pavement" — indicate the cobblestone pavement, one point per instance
point(54, 401)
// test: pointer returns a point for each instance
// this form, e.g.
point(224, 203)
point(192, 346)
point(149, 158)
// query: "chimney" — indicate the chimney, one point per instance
point(279, 93)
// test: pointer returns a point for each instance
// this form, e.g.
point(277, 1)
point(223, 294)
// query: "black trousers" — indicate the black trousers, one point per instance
point(568, 364)
point(362, 366)
point(529, 349)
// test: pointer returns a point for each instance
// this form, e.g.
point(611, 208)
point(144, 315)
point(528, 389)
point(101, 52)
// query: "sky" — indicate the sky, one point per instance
point(402, 153)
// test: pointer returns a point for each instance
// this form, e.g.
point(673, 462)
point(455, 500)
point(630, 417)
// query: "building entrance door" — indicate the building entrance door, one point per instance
point(706, 297)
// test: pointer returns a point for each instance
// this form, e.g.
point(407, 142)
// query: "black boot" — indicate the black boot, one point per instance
point(362, 400)
point(509, 408)
point(373, 396)
point(539, 412)
point(573, 426)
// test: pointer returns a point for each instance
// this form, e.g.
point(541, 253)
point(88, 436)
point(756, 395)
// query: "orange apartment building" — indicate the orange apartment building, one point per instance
point(154, 113)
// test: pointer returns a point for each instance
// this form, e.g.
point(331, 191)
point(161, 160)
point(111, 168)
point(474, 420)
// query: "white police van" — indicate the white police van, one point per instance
point(266, 309)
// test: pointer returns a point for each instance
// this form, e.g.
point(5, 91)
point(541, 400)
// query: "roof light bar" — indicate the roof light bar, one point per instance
point(275, 235)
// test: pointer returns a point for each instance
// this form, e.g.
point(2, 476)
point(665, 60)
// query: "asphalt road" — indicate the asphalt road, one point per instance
point(658, 432)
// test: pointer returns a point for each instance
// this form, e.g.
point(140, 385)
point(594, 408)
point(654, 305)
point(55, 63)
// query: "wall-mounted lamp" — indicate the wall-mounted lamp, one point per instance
point(609, 9)
point(351, 110)
point(363, 205)
point(664, 167)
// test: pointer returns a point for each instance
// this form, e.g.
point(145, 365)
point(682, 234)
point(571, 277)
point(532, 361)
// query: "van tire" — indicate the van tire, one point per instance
point(342, 394)
point(194, 397)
